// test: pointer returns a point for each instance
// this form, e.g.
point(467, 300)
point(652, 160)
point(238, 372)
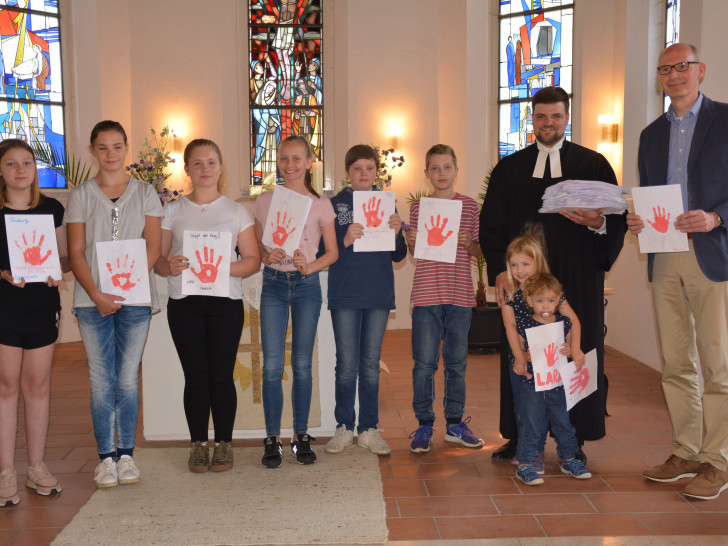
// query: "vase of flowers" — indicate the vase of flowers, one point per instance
point(151, 163)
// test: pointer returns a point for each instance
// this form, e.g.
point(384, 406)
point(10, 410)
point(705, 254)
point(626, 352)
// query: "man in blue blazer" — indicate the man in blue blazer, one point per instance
point(689, 146)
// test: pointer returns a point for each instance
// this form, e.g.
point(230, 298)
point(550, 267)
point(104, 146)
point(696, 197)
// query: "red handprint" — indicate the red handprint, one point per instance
point(661, 222)
point(31, 254)
point(122, 278)
point(550, 353)
point(208, 272)
point(579, 382)
point(280, 234)
point(434, 233)
point(372, 214)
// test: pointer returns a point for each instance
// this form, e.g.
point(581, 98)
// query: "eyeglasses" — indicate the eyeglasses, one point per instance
point(665, 69)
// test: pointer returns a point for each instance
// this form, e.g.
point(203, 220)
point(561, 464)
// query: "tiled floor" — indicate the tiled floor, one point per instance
point(449, 493)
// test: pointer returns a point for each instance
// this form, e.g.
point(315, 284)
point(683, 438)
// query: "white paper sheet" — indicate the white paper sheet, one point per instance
point(544, 343)
point(659, 206)
point(286, 220)
point(579, 384)
point(372, 210)
point(438, 224)
point(123, 270)
point(208, 253)
point(32, 247)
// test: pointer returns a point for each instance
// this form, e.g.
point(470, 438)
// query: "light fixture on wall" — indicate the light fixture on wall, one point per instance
point(395, 136)
point(177, 143)
point(609, 133)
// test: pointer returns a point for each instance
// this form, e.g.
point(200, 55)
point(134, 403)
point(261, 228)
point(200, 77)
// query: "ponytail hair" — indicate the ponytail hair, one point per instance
point(308, 180)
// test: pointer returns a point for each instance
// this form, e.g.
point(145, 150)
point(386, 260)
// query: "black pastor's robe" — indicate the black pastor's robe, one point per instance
point(577, 256)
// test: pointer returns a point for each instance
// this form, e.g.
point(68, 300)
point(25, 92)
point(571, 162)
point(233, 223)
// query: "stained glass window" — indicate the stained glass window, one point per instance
point(672, 30)
point(31, 89)
point(535, 52)
point(286, 81)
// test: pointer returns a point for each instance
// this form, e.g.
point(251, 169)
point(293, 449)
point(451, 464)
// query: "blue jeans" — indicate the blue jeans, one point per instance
point(281, 291)
point(537, 410)
point(114, 345)
point(430, 325)
point(516, 381)
point(358, 334)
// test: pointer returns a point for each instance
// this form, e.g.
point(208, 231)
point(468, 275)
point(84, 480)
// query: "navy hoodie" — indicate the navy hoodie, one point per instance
point(360, 280)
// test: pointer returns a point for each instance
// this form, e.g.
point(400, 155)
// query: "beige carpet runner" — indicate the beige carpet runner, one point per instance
point(338, 500)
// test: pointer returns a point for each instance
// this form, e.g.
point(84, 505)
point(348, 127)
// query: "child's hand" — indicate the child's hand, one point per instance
point(578, 358)
point(520, 367)
point(465, 239)
point(7, 275)
point(565, 349)
point(107, 304)
point(395, 223)
point(275, 256)
point(50, 281)
point(299, 260)
point(354, 232)
point(411, 236)
point(177, 264)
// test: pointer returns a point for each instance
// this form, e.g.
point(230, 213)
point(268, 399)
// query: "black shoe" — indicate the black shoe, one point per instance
point(301, 447)
point(505, 453)
point(273, 456)
point(580, 455)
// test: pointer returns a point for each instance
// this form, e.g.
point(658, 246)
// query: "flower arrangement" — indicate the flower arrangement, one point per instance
point(388, 162)
point(153, 158)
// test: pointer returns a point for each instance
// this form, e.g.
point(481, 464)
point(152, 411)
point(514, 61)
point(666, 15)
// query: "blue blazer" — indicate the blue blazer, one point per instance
point(707, 179)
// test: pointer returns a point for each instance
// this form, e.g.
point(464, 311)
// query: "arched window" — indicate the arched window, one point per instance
point(31, 89)
point(286, 81)
point(535, 51)
point(672, 30)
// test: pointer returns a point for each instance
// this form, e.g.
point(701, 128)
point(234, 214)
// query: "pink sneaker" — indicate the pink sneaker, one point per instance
point(8, 487)
point(40, 479)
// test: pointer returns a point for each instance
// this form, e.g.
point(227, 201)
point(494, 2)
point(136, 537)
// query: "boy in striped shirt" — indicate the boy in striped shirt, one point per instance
point(442, 299)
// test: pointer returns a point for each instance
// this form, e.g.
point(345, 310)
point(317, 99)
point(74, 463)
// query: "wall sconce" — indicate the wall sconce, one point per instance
point(178, 144)
point(609, 133)
point(395, 136)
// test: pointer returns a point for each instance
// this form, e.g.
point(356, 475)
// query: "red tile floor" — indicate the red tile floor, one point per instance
point(449, 493)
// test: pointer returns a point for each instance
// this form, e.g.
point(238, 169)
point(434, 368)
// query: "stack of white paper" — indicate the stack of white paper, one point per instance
point(585, 195)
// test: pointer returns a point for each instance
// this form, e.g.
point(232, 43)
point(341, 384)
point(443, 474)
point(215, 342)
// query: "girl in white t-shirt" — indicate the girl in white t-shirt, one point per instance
point(292, 282)
point(112, 207)
point(206, 329)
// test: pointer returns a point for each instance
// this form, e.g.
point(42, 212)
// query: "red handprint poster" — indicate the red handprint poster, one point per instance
point(32, 247)
point(123, 270)
point(372, 210)
point(208, 253)
point(545, 343)
point(659, 206)
point(438, 225)
point(578, 384)
point(286, 219)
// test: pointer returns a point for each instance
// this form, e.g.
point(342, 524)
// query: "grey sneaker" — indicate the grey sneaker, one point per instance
point(371, 440)
point(199, 460)
point(128, 472)
point(40, 479)
point(538, 463)
point(8, 487)
point(222, 457)
point(341, 440)
point(106, 473)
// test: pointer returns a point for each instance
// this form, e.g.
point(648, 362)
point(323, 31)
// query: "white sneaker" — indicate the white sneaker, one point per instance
point(371, 440)
point(340, 441)
point(128, 472)
point(106, 474)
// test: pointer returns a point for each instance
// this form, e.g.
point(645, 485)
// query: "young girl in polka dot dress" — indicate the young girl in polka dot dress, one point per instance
point(525, 257)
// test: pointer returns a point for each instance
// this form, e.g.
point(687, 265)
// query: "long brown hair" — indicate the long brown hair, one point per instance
point(36, 197)
point(308, 180)
point(199, 142)
point(532, 245)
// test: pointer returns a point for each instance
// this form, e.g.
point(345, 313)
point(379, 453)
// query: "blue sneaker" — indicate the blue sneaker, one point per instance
point(422, 439)
point(574, 467)
point(528, 475)
point(461, 434)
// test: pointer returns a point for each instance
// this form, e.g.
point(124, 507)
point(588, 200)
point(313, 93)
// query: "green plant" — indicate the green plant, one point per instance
point(152, 160)
point(480, 261)
point(60, 161)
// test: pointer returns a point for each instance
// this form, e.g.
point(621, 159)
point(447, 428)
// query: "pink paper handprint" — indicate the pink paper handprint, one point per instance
point(280, 234)
point(434, 233)
point(372, 214)
point(122, 278)
point(32, 252)
point(550, 353)
point(579, 382)
point(661, 222)
point(208, 271)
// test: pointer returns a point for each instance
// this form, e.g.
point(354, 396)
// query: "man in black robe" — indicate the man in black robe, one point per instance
point(581, 245)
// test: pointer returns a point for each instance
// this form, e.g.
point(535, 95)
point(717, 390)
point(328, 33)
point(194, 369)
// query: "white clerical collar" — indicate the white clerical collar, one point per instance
point(554, 159)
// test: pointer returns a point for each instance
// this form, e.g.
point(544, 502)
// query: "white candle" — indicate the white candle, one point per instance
point(318, 176)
